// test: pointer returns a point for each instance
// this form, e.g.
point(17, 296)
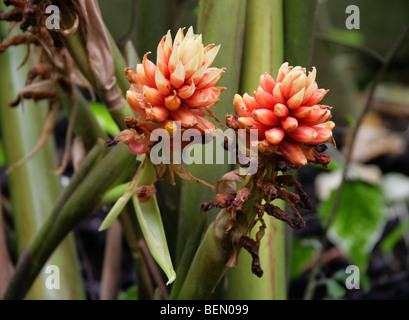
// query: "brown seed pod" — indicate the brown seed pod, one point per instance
point(144, 193)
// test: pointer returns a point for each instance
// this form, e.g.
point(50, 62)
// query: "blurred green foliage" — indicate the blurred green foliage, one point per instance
point(303, 251)
point(359, 220)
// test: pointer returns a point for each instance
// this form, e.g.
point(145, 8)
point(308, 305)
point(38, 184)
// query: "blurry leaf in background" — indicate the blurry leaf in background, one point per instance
point(332, 166)
point(334, 289)
point(377, 28)
point(130, 294)
point(303, 251)
point(336, 286)
point(104, 118)
point(351, 37)
point(395, 187)
point(350, 120)
point(326, 182)
point(359, 220)
point(389, 242)
point(374, 140)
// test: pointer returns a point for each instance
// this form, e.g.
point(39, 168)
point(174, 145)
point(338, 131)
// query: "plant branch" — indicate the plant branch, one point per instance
point(365, 50)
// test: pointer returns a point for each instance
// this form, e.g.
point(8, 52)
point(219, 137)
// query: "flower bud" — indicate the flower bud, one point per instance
point(266, 117)
point(186, 117)
point(293, 153)
point(289, 124)
point(275, 135)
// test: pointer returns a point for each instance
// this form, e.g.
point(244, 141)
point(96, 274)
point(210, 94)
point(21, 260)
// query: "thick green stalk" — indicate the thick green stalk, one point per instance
point(299, 23)
point(120, 65)
point(191, 246)
point(209, 264)
point(33, 187)
point(263, 47)
point(263, 52)
point(220, 22)
point(84, 199)
point(299, 27)
point(213, 256)
point(153, 18)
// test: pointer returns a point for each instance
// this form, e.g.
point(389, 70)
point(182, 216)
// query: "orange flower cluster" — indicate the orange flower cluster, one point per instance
point(286, 113)
point(179, 87)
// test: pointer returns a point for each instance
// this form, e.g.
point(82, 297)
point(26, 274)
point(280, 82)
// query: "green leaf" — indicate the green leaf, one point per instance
point(349, 118)
point(122, 201)
point(118, 207)
point(359, 220)
point(104, 118)
point(130, 294)
point(351, 37)
point(150, 222)
point(332, 166)
point(148, 215)
point(303, 251)
point(334, 289)
point(389, 242)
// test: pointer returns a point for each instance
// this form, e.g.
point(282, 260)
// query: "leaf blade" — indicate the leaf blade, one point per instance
point(150, 222)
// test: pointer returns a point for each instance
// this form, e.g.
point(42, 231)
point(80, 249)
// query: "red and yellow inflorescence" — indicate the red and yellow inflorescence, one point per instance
point(287, 114)
point(179, 87)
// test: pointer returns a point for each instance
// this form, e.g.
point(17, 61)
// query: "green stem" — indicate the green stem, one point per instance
point(33, 187)
point(191, 246)
point(86, 125)
point(209, 263)
point(220, 22)
point(299, 23)
point(263, 52)
point(84, 199)
point(120, 65)
point(148, 33)
point(19, 282)
point(77, 49)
